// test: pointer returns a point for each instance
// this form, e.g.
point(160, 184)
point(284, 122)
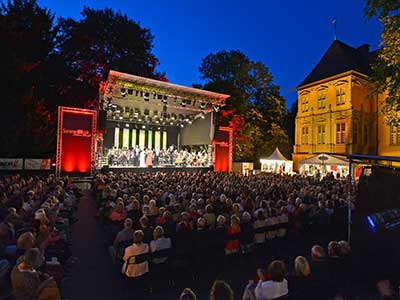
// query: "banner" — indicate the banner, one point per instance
point(37, 164)
point(75, 140)
point(11, 163)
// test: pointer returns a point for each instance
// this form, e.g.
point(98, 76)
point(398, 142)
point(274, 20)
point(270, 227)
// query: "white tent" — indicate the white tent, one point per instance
point(276, 163)
point(324, 163)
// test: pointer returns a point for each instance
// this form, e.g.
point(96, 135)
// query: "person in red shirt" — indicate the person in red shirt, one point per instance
point(233, 246)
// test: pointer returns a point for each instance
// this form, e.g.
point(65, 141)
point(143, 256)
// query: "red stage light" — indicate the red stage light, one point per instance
point(75, 140)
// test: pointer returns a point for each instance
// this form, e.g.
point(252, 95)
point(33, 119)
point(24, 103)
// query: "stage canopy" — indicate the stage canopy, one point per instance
point(325, 159)
point(135, 102)
point(276, 163)
point(325, 163)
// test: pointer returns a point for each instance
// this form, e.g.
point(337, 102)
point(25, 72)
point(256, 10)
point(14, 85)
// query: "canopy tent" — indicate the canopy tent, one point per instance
point(321, 164)
point(276, 163)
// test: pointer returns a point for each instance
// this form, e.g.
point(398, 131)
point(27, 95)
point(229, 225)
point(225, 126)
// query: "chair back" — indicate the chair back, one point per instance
point(137, 259)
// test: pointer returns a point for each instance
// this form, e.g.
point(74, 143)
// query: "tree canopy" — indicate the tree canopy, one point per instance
point(255, 110)
point(386, 69)
point(47, 63)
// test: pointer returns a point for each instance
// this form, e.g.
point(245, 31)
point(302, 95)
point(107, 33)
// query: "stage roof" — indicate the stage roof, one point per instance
point(137, 99)
point(124, 79)
point(326, 159)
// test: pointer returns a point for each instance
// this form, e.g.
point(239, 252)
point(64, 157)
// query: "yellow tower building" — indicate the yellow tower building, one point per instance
point(336, 113)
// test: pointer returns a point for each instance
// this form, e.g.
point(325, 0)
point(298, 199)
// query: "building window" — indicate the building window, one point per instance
point(340, 95)
point(365, 134)
point(304, 135)
point(355, 133)
point(321, 134)
point(395, 135)
point(340, 133)
point(304, 104)
point(321, 96)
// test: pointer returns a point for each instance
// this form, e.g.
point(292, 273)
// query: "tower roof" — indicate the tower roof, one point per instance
point(340, 58)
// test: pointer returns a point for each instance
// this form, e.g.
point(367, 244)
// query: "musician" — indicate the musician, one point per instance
point(142, 158)
point(137, 156)
point(149, 158)
point(156, 156)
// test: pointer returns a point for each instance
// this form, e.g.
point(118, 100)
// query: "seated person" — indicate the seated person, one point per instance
point(28, 283)
point(124, 236)
point(276, 286)
point(220, 290)
point(159, 243)
point(118, 213)
point(138, 247)
point(233, 245)
point(301, 283)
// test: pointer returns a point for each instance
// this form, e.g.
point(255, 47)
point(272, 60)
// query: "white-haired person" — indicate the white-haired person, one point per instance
point(301, 283)
point(137, 248)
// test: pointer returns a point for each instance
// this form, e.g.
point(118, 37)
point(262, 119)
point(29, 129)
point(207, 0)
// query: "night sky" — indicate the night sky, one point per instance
point(288, 36)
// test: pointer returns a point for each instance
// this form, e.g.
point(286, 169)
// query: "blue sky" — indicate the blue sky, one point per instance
point(288, 36)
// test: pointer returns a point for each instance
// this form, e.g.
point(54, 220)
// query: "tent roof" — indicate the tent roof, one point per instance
point(276, 155)
point(329, 160)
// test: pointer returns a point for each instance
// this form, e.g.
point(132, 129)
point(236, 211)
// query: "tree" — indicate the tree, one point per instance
point(27, 38)
point(102, 40)
point(386, 69)
point(255, 110)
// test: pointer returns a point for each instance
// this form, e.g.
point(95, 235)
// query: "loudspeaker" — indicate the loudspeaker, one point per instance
point(102, 120)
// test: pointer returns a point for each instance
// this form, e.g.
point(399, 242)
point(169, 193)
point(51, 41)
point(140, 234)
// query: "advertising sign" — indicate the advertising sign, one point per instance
point(11, 163)
point(75, 140)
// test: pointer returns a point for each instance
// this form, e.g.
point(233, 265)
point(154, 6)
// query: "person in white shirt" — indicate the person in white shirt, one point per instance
point(138, 247)
point(159, 243)
point(274, 288)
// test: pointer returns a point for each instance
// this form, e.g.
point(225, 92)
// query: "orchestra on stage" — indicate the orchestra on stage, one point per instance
point(141, 157)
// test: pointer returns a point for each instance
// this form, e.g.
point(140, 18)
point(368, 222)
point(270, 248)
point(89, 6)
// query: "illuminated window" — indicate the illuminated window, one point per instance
point(355, 133)
point(395, 135)
point(304, 135)
point(340, 133)
point(304, 104)
point(321, 96)
point(321, 134)
point(340, 95)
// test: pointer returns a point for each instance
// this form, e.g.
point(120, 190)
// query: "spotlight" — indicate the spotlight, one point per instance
point(171, 123)
point(126, 125)
point(140, 120)
point(158, 128)
point(143, 126)
point(121, 118)
point(190, 122)
point(182, 125)
point(157, 122)
point(202, 116)
point(118, 111)
point(173, 116)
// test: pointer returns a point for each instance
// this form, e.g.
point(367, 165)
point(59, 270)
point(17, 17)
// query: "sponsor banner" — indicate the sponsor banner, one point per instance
point(11, 163)
point(75, 139)
point(37, 164)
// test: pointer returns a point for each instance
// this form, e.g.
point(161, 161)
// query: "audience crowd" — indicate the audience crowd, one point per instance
point(35, 218)
point(203, 223)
